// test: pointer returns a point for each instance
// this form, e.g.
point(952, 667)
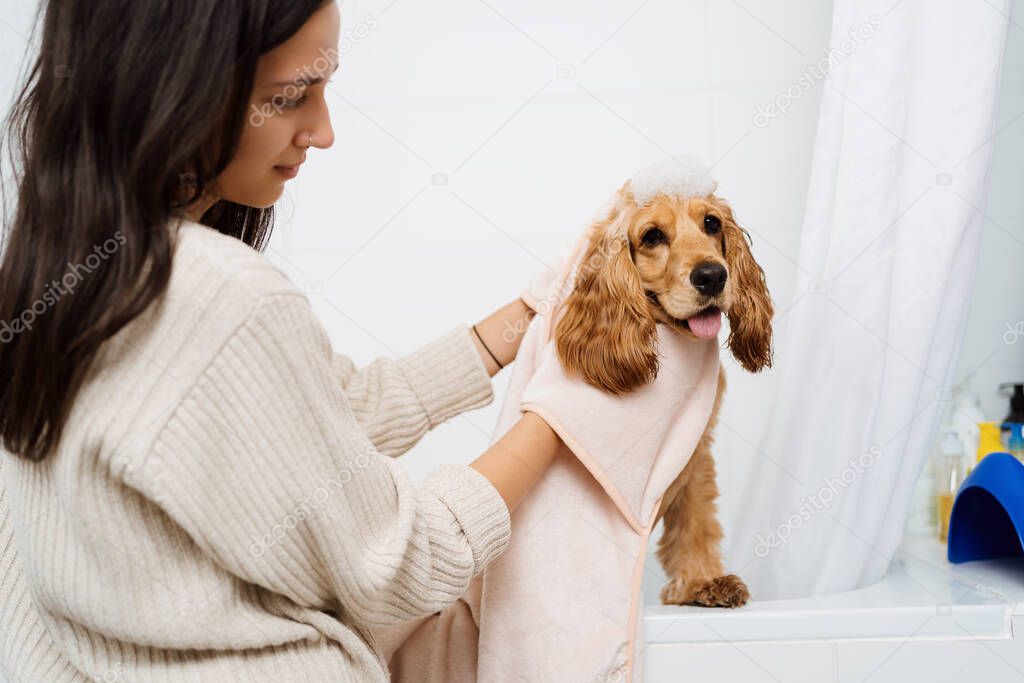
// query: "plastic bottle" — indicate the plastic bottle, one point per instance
point(989, 441)
point(967, 413)
point(1016, 440)
point(923, 518)
point(949, 474)
point(1016, 414)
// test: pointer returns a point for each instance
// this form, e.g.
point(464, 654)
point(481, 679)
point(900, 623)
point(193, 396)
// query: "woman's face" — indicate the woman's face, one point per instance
point(286, 107)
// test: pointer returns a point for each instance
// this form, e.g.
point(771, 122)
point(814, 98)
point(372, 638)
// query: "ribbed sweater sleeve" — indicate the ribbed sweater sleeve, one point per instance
point(27, 650)
point(264, 464)
point(397, 401)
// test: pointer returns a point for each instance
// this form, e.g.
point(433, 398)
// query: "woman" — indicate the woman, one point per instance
point(200, 488)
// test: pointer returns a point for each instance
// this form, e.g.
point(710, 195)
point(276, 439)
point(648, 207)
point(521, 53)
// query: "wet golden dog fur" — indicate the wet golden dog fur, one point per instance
point(637, 272)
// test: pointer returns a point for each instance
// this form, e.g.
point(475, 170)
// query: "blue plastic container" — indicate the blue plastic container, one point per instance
point(988, 514)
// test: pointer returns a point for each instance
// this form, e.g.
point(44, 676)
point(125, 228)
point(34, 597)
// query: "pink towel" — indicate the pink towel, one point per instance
point(563, 602)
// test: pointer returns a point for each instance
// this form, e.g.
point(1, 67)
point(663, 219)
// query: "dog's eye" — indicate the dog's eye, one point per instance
point(712, 224)
point(653, 237)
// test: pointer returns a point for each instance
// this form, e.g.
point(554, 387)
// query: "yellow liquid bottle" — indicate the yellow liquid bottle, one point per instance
point(944, 506)
point(951, 465)
point(989, 441)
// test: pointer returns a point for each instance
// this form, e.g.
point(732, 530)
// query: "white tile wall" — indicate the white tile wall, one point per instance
point(536, 112)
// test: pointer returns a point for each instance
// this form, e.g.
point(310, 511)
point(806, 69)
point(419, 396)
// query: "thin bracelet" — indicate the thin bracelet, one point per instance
point(500, 366)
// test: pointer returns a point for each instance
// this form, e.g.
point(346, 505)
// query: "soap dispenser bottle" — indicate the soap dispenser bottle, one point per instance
point(1016, 414)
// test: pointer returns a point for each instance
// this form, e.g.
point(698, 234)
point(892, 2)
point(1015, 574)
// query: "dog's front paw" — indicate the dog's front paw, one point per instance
point(721, 591)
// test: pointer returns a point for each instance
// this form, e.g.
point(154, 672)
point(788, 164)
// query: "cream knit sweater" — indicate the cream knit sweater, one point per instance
point(224, 505)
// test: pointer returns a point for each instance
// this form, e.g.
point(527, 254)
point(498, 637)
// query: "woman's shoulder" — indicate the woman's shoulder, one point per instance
point(204, 257)
point(220, 290)
point(217, 285)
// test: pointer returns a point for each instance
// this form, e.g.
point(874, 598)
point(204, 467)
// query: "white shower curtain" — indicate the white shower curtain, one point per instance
point(889, 244)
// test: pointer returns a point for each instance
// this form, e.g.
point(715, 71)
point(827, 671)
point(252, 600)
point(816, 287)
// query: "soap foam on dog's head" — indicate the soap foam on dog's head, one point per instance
point(683, 176)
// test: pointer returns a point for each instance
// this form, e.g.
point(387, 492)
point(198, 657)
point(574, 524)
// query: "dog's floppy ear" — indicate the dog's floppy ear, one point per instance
point(750, 316)
point(607, 334)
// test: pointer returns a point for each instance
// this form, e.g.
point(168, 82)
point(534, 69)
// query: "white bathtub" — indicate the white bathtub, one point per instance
point(928, 621)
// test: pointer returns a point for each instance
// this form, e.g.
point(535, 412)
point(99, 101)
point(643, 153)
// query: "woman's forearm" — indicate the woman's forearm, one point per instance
point(502, 332)
point(517, 460)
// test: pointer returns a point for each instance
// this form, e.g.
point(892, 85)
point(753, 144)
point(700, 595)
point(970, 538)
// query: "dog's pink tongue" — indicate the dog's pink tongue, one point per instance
point(706, 324)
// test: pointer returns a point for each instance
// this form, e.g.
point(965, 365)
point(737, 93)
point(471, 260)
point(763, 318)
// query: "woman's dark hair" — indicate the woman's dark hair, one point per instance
point(130, 110)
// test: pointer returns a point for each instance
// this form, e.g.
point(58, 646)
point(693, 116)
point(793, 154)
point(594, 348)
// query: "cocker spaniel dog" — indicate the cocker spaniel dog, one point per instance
point(688, 262)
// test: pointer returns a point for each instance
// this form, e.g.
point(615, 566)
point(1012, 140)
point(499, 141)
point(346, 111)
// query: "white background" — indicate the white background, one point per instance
point(535, 112)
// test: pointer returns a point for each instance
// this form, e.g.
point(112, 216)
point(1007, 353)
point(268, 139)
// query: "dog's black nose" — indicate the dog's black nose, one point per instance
point(708, 278)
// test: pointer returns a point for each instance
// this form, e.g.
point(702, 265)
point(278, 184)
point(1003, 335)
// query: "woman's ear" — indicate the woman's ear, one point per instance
point(750, 316)
point(607, 334)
